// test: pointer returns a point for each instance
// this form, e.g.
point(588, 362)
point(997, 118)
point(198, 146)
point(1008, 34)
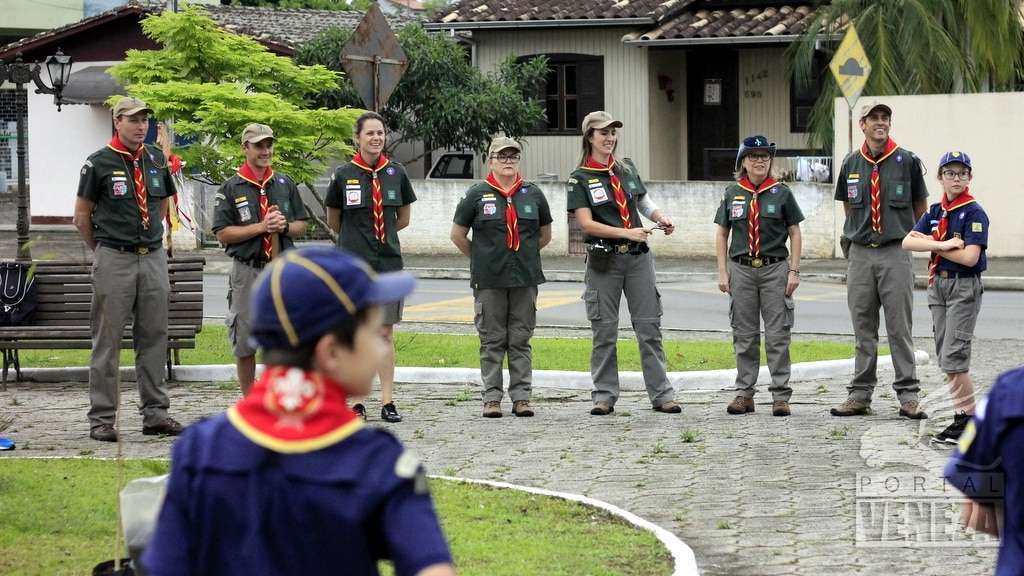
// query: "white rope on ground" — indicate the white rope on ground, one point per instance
point(682, 555)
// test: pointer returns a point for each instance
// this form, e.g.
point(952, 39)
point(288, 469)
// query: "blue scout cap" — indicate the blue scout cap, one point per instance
point(306, 292)
point(752, 143)
point(955, 156)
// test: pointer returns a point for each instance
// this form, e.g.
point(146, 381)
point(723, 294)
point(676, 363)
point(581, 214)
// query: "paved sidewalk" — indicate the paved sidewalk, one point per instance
point(752, 495)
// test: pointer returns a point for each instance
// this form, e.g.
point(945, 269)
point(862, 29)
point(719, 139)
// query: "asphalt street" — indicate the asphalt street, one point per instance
point(692, 304)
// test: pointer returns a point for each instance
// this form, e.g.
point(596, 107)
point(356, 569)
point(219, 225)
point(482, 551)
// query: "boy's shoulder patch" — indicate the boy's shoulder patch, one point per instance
point(977, 227)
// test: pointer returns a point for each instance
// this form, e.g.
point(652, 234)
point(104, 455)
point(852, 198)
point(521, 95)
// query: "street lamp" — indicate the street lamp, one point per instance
point(19, 73)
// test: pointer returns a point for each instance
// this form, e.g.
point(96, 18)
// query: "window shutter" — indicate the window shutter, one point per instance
point(590, 84)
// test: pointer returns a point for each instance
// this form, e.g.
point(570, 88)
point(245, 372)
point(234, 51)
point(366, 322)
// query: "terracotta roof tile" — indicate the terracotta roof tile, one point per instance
point(789, 19)
point(513, 10)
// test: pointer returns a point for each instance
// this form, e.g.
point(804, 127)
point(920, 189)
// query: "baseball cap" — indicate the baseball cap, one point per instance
point(129, 106)
point(599, 120)
point(256, 132)
point(308, 291)
point(501, 143)
point(955, 156)
point(751, 143)
point(870, 105)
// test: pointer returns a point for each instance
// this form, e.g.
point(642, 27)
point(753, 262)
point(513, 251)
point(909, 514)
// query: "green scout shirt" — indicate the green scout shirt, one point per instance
point(778, 211)
point(108, 179)
point(592, 189)
point(351, 191)
point(238, 204)
point(492, 263)
point(902, 183)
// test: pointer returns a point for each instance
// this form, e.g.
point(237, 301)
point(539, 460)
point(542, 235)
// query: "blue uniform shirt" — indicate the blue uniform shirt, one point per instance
point(234, 507)
point(989, 463)
point(970, 222)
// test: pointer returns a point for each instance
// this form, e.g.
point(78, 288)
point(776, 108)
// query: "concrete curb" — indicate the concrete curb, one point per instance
point(555, 379)
point(685, 563)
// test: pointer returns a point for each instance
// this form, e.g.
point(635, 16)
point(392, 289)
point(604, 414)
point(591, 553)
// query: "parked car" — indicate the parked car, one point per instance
point(453, 165)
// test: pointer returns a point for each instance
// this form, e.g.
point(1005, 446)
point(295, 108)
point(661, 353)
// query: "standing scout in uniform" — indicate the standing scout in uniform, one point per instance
point(608, 197)
point(883, 193)
point(289, 480)
point(254, 206)
point(988, 467)
point(955, 231)
point(121, 204)
point(511, 222)
point(761, 213)
point(368, 202)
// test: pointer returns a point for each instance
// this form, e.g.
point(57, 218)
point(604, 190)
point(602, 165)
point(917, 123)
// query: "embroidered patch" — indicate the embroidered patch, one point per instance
point(390, 170)
point(244, 213)
point(281, 180)
point(593, 180)
point(573, 180)
point(769, 208)
point(740, 198)
point(154, 182)
point(490, 208)
point(774, 190)
point(977, 227)
point(899, 158)
point(392, 195)
point(853, 177)
point(352, 181)
point(118, 179)
point(737, 210)
point(240, 199)
point(632, 185)
point(353, 197)
point(598, 194)
point(851, 190)
point(522, 190)
point(899, 189)
point(120, 188)
point(528, 209)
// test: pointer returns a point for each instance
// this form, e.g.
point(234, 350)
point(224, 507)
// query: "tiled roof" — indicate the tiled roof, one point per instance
point(527, 10)
point(783, 20)
point(292, 27)
point(286, 27)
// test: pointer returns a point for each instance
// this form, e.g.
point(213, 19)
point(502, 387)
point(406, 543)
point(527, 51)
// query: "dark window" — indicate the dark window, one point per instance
point(573, 89)
point(803, 98)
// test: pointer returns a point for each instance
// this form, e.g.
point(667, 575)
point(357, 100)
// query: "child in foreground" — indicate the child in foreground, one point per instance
point(289, 481)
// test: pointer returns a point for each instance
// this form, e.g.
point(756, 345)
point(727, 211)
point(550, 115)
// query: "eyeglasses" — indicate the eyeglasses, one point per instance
point(759, 157)
point(951, 174)
point(506, 159)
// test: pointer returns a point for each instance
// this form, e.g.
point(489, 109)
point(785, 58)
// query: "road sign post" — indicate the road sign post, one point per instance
point(373, 59)
point(851, 69)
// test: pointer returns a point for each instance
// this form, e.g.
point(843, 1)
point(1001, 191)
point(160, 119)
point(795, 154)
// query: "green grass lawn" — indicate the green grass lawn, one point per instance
point(452, 350)
point(59, 518)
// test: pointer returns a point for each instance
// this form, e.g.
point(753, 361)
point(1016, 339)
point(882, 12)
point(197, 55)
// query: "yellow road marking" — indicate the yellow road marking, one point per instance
point(461, 309)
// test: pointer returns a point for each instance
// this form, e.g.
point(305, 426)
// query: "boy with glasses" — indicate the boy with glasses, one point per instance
point(955, 231)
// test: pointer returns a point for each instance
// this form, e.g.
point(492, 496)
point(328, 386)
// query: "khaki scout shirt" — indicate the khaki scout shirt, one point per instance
point(351, 191)
point(492, 263)
point(238, 204)
point(108, 180)
point(592, 189)
point(778, 211)
point(902, 183)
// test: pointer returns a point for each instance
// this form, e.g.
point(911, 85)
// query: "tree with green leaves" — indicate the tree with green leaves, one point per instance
point(213, 82)
point(915, 47)
point(443, 100)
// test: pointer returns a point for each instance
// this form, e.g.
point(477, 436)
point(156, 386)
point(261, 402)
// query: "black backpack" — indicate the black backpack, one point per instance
point(18, 293)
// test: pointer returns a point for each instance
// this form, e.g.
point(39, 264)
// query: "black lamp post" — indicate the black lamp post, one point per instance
point(19, 73)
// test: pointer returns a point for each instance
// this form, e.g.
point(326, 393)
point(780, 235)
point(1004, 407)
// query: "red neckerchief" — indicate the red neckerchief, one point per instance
point(290, 410)
point(754, 214)
point(135, 159)
point(939, 233)
point(249, 175)
point(876, 185)
point(511, 217)
point(378, 196)
point(620, 196)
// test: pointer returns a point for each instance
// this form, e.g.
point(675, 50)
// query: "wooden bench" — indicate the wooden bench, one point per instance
point(61, 319)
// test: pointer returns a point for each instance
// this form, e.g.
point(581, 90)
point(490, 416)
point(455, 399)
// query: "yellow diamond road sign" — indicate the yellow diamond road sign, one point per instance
point(850, 66)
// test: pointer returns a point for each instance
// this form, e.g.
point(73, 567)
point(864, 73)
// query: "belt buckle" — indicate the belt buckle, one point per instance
point(622, 249)
point(142, 251)
point(756, 262)
point(944, 274)
point(873, 244)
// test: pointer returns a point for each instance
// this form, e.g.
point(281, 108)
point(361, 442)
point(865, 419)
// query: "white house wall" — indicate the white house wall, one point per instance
point(764, 97)
point(667, 119)
point(625, 90)
point(58, 144)
point(982, 125)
